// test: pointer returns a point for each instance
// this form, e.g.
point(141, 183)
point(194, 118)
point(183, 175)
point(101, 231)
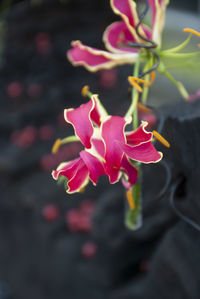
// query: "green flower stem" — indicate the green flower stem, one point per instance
point(145, 91)
point(69, 139)
point(134, 217)
point(179, 55)
point(179, 47)
point(178, 84)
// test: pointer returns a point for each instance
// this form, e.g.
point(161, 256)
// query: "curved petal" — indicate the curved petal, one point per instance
point(76, 172)
point(112, 133)
point(144, 152)
point(81, 121)
point(130, 170)
point(94, 166)
point(158, 8)
point(140, 135)
point(67, 169)
point(93, 59)
point(126, 9)
point(79, 180)
point(98, 111)
point(116, 38)
point(98, 146)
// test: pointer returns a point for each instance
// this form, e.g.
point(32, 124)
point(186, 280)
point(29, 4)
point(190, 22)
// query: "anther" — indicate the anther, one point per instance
point(161, 139)
point(130, 199)
point(143, 108)
point(192, 31)
point(133, 81)
point(56, 146)
point(85, 91)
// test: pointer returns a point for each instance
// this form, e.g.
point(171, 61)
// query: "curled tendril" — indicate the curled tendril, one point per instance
point(163, 191)
point(150, 47)
point(177, 212)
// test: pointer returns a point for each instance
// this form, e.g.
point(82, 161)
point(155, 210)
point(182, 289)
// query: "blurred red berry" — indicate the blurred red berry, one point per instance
point(46, 132)
point(50, 212)
point(89, 250)
point(87, 207)
point(43, 43)
point(34, 90)
point(108, 78)
point(25, 137)
point(14, 89)
point(48, 162)
point(72, 218)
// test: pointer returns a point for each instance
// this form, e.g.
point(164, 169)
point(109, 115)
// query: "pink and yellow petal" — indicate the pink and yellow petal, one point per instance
point(67, 169)
point(158, 8)
point(140, 135)
point(98, 111)
point(145, 152)
point(94, 166)
point(93, 59)
point(79, 180)
point(112, 133)
point(81, 121)
point(116, 38)
point(126, 9)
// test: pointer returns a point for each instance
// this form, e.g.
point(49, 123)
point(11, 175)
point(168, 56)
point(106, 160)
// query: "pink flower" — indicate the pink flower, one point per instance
point(118, 35)
point(108, 148)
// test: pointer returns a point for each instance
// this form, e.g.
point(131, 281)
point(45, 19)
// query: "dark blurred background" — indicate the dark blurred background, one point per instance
point(53, 245)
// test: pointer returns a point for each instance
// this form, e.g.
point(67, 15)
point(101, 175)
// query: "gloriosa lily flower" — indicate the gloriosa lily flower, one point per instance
point(118, 35)
point(108, 148)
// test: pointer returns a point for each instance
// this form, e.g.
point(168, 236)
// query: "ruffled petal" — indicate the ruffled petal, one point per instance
point(81, 121)
point(76, 172)
point(158, 8)
point(95, 167)
point(116, 38)
point(98, 112)
point(98, 146)
point(140, 135)
point(67, 169)
point(112, 133)
point(93, 59)
point(113, 130)
point(79, 180)
point(145, 152)
point(126, 9)
point(130, 170)
point(113, 173)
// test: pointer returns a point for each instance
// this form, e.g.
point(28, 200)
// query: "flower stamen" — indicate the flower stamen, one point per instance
point(161, 138)
point(192, 31)
point(85, 91)
point(143, 108)
point(130, 199)
point(56, 146)
point(133, 82)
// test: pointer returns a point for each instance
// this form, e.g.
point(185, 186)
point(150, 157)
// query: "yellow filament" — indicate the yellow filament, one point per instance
point(56, 146)
point(160, 138)
point(192, 31)
point(130, 199)
point(84, 90)
point(143, 108)
point(153, 78)
point(133, 81)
